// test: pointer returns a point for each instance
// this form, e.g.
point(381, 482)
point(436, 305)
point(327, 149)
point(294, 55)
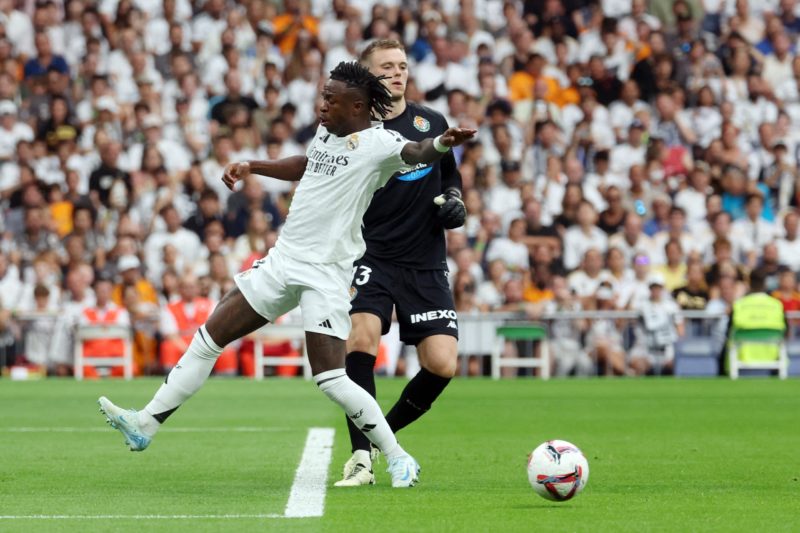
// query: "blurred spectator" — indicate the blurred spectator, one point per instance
point(673, 270)
point(586, 280)
point(253, 242)
point(634, 292)
point(290, 25)
point(129, 268)
point(604, 338)
point(613, 217)
point(565, 334)
point(39, 333)
point(12, 130)
point(208, 209)
point(787, 290)
point(768, 267)
point(10, 284)
point(109, 185)
point(225, 110)
point(35, 238)
point(489, 294)
point(722, 304)
point(45, 59)
point(631, 240)
point(251, 198)
point(789, 244)
point(584, 236)
point(661, 205)
point(660, 327)
point(616, 272)
point(694, 295)
point(186, 242)
point(752, 231)
point(511, 250)
point(179, 322)
point(537, 233)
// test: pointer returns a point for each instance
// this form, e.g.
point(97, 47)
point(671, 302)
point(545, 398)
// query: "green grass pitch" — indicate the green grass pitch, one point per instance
point(664, 454)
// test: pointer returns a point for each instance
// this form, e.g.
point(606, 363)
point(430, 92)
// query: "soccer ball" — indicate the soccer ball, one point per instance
point(557, 470)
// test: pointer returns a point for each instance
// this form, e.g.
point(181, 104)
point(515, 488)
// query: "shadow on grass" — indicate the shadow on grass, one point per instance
point(542, 505)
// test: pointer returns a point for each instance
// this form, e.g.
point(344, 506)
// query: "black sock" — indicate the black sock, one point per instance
point(416, 399)
point(360, 368)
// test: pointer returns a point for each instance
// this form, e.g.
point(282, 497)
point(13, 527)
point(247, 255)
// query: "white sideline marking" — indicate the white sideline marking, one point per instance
point(307, 498)
point(240, 429)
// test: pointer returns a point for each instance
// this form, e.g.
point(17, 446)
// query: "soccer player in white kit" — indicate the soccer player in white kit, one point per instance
point(311, 264)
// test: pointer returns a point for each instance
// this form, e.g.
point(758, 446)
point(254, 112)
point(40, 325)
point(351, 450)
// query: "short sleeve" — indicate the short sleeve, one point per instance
point(387, 149)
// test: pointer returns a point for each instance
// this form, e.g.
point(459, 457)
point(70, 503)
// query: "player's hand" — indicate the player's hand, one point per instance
point(457, 136)
point(235, 172)
point(452, 211)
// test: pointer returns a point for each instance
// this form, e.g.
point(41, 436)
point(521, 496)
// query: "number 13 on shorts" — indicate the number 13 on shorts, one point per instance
point(361, 274)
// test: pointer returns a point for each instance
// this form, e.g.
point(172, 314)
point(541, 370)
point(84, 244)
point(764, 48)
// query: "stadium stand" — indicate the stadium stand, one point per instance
point(617, 140)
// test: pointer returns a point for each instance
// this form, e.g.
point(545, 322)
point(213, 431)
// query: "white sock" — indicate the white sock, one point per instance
point(361, 408)
point(184, 380)
point(363, 457)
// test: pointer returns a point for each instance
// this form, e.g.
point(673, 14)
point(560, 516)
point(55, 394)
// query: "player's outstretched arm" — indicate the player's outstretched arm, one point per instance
point(287, 169)
point(429, 150)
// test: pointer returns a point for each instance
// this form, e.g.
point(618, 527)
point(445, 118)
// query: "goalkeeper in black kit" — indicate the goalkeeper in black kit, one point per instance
point(404, 266)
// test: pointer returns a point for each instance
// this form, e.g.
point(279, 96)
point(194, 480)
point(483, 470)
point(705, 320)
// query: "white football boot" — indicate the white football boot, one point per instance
point(357, 471)
point(404, 471)
point(127, 422)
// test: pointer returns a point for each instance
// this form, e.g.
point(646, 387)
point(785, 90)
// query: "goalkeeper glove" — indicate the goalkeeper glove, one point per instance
point(452, 211)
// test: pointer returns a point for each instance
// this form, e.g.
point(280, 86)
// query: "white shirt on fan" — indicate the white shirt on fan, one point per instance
point(342, 174)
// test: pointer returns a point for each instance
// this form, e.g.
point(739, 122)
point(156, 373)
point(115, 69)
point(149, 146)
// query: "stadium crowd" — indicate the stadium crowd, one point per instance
point(626, 149)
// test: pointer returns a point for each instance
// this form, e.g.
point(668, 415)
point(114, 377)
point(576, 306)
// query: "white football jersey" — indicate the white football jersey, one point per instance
point(342, 174)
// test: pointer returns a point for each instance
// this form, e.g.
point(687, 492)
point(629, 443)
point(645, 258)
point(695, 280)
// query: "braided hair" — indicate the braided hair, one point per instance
point(358, 76)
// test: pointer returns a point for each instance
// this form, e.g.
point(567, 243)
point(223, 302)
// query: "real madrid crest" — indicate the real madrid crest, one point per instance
point(352, 141)
point(422, 123)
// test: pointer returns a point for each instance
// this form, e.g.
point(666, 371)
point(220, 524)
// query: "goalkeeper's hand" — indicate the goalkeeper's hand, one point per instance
point(452, 211)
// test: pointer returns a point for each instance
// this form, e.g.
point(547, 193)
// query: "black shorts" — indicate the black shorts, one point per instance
point(423, 299)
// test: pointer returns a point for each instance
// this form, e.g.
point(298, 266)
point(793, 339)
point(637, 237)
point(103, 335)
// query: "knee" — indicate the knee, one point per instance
point(363, 339)
point(443, 364)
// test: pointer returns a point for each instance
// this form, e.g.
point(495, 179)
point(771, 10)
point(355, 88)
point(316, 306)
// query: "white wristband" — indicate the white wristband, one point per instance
point(437, 144)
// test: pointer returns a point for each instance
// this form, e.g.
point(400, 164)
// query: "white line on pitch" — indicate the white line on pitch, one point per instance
point(136, 516)
point(240, 429)
point(307, 497)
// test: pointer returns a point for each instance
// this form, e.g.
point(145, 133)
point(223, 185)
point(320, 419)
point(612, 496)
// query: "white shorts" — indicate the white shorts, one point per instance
point(276, 284)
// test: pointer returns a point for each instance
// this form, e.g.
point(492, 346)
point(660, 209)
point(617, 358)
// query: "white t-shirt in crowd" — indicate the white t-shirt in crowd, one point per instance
point(577, 243)
point(324, 221)
point(513, 254)
point(9, 139)
point(789, 253)
point(584, 285)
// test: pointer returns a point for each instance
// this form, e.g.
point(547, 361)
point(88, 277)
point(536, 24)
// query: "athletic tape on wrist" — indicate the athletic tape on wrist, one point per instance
point(437, 144)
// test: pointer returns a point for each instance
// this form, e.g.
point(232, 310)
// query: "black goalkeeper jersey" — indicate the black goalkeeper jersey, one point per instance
point(400, 224)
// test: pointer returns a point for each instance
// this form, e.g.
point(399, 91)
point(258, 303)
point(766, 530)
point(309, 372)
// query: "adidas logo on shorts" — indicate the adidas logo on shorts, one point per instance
point(325, 324)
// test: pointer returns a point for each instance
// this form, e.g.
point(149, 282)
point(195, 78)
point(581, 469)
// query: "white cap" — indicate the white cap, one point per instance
point(655, 279)
point(7, 107)
point(128, 262)
point(106, 103)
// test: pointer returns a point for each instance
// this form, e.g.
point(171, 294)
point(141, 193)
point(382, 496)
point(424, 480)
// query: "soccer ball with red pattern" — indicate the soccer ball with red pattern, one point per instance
point(557, 470)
